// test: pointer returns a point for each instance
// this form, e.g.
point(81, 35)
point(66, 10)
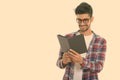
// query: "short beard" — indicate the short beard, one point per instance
point(85, 29)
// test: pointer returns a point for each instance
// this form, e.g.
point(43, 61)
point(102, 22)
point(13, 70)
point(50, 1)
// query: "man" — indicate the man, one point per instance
point(85, 66)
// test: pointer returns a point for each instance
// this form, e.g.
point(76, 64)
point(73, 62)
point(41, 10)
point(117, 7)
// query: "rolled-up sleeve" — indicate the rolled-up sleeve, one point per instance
point(96, 64)
point(59, 62)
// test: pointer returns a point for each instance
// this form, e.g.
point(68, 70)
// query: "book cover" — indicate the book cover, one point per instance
point(76, 43)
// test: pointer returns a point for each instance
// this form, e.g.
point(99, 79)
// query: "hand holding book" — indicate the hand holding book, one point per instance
point(71, 56)
point(75, 56)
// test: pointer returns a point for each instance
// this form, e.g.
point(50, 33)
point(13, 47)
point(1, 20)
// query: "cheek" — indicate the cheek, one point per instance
point(88, 24)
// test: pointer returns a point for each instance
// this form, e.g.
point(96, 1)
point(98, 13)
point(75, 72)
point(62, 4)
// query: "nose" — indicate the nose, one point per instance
point(82, 23)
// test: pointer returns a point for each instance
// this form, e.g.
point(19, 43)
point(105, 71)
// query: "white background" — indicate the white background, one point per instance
point(28, 43)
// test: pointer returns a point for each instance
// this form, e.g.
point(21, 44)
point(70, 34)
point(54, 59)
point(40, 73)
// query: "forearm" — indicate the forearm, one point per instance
point(60, 64)
point(93, 66)
point(96, 59)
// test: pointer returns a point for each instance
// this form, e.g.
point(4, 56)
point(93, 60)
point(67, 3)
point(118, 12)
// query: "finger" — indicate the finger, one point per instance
point(74, 52)
point(68, 59)
point(71, 54)
point(65, 53)
point(72, 57)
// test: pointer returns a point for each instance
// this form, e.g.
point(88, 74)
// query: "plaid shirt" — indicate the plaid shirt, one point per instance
point(92, 63)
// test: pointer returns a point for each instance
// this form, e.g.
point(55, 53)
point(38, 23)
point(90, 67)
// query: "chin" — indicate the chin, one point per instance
point(83, 30)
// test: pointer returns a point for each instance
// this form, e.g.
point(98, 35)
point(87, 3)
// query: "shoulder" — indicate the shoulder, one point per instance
point(100, 39)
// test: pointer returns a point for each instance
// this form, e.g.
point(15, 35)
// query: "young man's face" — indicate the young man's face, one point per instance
point(84, 21)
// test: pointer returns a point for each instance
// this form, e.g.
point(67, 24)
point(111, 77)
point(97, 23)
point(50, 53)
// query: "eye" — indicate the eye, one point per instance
point(85, 20)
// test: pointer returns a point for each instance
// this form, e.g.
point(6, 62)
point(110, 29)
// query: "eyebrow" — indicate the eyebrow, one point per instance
point(82, 19)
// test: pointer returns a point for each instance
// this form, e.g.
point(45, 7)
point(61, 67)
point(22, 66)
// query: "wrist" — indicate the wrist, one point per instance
point(64, 64)
point(81, 61)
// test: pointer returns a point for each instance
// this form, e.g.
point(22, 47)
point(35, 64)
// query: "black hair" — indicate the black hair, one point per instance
point(84, 8)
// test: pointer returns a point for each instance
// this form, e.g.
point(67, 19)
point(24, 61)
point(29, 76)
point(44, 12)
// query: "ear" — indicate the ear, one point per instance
point(92, 18)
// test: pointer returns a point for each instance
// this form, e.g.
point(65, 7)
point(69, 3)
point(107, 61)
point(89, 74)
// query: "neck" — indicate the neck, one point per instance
point(87, 33)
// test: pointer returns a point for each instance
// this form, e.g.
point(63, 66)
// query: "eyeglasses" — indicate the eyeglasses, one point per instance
point(86, 20)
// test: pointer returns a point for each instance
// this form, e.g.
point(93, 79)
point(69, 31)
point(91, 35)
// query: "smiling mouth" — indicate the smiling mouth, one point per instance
point(82, 25)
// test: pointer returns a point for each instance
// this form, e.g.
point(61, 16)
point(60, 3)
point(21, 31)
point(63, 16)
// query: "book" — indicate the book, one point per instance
point(77, 43)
